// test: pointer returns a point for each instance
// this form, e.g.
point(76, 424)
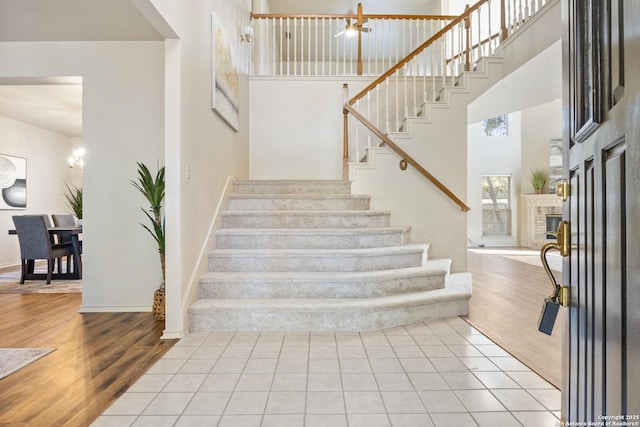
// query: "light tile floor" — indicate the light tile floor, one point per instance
point(440, 373)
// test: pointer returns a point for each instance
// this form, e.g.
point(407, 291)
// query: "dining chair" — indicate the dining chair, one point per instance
point(35, 243)
point(65, 220)
point(47, 222)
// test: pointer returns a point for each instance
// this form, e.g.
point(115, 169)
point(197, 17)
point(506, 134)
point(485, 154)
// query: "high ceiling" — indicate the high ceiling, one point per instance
point(73, 20)
point(56, 103)
point(52, 103)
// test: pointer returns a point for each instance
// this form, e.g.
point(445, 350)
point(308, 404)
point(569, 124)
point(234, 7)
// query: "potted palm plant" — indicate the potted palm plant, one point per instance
point(538, 180)
point(74, 201)
point(152, 188)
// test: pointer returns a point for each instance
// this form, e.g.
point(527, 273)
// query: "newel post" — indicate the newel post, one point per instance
point(345, 133)
point(503, 21)
point(467, 31)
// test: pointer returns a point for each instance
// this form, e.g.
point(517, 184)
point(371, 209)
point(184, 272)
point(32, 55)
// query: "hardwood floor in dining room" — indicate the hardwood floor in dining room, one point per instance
point(505, 306)
point(98, 357)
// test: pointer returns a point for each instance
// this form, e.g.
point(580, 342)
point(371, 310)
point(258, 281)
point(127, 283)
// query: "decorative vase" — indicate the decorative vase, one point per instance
point(538, 190)
point(158, 303)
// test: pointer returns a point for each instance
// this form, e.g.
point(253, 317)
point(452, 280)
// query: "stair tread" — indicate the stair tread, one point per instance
point(313, 231)
point(309, 212)
point(434, 295)
point(440, 266)
point(297, 196)
point(291, 181)
point(409, 248)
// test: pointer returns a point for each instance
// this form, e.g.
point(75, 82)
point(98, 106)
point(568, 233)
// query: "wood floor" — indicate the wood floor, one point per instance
point(505, 306)
point(98, 356)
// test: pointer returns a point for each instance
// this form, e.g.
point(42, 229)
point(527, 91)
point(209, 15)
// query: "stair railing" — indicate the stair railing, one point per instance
point(336, 44)
point(423, 78)
point(408, 88)
point(406, 158)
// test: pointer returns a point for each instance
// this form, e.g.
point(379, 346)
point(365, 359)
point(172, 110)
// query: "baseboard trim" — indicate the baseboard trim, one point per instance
point(113, 309)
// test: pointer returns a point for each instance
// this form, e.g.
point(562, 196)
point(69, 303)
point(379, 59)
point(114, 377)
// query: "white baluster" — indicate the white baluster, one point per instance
point(352, 60)
point(453, 53)
point(508, 16)
point(386, 105)
point(433, 72)
point(520, 13)
point(376, 105)
point(479, 50)
point(295, 47)
point(309, 46)
point(323, 54)
point(397, 44)
point(443, 53)
point(488, 51)
point(282, 41)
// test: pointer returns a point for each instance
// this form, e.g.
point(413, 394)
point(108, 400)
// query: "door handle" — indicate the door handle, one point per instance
point(563, 245)
point(560, 295)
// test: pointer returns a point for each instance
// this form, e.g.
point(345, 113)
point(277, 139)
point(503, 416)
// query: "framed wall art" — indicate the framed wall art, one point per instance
point(13, 182)
point(224, 79)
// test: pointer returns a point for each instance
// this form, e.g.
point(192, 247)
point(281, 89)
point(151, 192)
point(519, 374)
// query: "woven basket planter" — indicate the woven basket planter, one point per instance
point(158, 304)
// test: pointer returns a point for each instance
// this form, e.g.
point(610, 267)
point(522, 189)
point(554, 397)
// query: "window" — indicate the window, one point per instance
point(496, 126)
point(496, 205)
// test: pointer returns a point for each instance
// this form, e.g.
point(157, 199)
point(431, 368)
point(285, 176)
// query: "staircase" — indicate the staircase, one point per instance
point(309, 255)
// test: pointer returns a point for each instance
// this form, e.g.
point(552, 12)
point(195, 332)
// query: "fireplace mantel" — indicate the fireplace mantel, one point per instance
point(534, 211)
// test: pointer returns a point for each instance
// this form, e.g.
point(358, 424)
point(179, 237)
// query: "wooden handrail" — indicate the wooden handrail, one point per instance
point(416, 51)
point(405, 157)
point(353, 16)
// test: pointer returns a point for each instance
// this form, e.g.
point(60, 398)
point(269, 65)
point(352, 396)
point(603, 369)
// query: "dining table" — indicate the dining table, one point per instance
point(76, 274)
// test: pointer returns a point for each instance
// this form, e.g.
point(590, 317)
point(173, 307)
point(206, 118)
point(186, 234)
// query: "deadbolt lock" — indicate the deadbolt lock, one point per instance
point(563, 190)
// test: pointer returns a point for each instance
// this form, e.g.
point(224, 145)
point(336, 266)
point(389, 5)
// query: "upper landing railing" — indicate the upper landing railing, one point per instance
point(360, 43)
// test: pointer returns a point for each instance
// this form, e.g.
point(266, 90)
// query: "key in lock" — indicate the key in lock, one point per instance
point(548, 315)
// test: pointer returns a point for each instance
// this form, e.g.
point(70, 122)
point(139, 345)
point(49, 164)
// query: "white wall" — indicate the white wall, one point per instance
point(297, 126)
point(525, 149)
point(47, 171)
point(122, 124)
point(136, 96)
point(205, 151)
point(493, 155)
point(540, 124)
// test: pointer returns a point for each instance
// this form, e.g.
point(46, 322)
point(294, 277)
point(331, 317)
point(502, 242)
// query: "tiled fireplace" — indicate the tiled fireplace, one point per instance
point(540, 214)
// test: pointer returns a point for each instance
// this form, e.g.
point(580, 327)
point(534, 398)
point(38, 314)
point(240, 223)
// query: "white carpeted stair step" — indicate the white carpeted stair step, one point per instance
point(338, 260)
point(297, 202)
point(305, 219)
point(304, 238)
point(325, 284)
point(292, 187)
point(309, 255)
point(341, 314)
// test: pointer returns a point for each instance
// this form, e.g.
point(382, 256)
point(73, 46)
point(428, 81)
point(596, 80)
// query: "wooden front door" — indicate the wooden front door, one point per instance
point(601, 139)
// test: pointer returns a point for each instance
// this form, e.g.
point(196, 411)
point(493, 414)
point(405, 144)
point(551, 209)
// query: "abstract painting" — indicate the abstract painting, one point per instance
point(555, 164)
point(13, 182)
point(225, 95)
